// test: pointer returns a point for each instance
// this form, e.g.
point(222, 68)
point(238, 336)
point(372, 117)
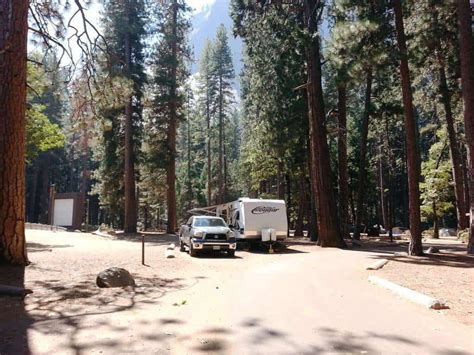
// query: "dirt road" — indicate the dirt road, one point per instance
point(306, 301)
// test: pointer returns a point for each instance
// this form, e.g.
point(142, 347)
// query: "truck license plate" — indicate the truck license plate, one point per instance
point(216, 247)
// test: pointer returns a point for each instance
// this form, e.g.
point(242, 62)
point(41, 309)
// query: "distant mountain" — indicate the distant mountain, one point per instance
point(205, 24)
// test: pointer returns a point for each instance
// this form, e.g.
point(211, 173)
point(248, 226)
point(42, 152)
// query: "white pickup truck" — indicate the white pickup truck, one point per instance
point(206, 233)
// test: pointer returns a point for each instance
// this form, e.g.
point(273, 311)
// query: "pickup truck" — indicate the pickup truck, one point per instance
point(206, 233)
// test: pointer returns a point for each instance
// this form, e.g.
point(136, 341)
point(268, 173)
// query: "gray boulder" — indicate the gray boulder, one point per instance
point(115, 277)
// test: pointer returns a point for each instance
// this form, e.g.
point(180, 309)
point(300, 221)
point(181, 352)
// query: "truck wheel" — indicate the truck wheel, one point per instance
point(192, 251)
point(181, 245)
point(230, 253)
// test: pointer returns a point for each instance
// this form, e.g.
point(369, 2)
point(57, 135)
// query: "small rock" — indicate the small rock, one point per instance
point(115, 277)
point(402, 253)
point(172, 246)
point(169, 254)
point(432, 250)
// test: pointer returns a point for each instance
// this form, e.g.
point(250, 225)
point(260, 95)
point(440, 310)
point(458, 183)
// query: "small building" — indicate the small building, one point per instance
point(67, 210)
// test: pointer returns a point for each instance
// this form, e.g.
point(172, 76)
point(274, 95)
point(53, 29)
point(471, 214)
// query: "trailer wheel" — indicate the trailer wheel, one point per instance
point(192, 251)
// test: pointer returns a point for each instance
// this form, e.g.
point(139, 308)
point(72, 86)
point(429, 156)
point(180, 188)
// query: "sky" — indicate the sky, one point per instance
point(199, 5)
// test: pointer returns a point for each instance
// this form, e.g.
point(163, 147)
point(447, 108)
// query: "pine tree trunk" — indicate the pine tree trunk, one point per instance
point(413, 156)
point(220, 179)
point(456, 158)
point(360, 202)
point(301, 205)
point(209, 159)
point(342, 161)
point(467, 81)
point(382, 188)
point(172, 128)
point(435, 222)
point(280, 181)
point(328, 227)
point(13, 52)
point(130, 220)
point(224, 199)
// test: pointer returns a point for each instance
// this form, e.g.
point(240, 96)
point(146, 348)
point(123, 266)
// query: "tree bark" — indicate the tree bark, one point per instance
point(467, 82)
point(209, 160)
point(342, 161)
point(301, 205)
point(220, 178)
point(456, 158)
point(13, 52)
point(130, 220)
point(328, 227)
point(435, 222)
point(382, 188)
point(413, 155)
point(172, 128)
point(360, 201)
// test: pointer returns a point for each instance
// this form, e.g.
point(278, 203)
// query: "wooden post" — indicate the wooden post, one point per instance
point(143, 249)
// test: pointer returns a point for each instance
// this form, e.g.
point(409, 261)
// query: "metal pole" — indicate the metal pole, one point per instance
point(143, 249)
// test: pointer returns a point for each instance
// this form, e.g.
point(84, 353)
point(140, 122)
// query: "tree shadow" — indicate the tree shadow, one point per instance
point(451, 255)
point(153, 238)
point(14, 320)
point(441, 259)
point(38, 247)
point(62, 309)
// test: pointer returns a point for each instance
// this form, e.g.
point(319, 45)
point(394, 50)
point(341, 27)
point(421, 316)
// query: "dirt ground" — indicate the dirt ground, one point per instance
point(253, 303)
point(448, 275)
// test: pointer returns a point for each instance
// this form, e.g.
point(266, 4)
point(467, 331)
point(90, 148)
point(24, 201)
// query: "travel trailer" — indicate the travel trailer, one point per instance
point(252, 219)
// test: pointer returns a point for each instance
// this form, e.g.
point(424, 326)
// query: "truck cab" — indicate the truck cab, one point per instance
point(206, 233)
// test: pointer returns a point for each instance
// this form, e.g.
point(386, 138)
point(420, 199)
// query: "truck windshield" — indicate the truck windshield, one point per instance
point(209, 222)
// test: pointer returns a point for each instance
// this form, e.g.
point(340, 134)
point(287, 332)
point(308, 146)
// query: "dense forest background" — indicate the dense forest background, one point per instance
point(352, 112)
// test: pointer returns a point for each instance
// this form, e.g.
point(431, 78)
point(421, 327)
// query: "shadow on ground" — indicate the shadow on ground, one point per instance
point(14, 320)
point(66, 310)
point(38, 247)
point(451, 255)
point(153, 238)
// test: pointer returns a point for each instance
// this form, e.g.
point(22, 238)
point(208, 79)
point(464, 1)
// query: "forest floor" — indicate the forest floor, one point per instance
point(302, 300)
point(447, 276)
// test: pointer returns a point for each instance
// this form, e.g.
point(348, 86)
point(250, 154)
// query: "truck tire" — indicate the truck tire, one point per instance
point(181, 245)
point(192, 251)
point(230, 253)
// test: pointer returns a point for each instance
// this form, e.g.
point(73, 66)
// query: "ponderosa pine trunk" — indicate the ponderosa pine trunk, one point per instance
point(130, 220)
point(456, 158)
point(172, 128)
point(435, 222)
point(13, 53)
point(362, 181)
point(467, 82)
point(209, 158)
point(413, 155)
point(328, 227)
point(301, 205)
point(220, 165)
point(342, 161)
point(382, 188)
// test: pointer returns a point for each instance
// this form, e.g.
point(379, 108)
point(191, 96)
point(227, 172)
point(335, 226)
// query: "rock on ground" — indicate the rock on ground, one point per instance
point(115, 277)
point(432, 250)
